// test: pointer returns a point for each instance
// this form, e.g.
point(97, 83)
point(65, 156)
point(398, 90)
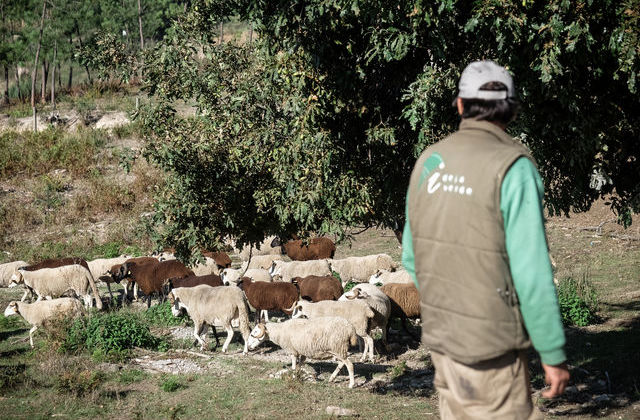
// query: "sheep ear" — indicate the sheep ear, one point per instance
point(363, 295)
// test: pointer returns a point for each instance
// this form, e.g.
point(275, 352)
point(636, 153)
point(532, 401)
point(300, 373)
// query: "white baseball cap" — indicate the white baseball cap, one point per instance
point(479, 73)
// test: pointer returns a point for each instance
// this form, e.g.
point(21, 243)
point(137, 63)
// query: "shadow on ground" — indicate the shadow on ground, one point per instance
point(604, 366)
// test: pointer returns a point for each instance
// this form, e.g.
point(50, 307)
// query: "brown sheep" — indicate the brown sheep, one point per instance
point(315, 249)
point(117, 273)
point(212, 280)
point(317, 288)
point(222, 259)
point(405, 301)
point(269, 296)
point(60, 262)
point(57, 262)
point(151, 278)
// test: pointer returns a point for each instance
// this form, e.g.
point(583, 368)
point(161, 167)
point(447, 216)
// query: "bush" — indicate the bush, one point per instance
point(350, 285)
point(110, 335)
point(171, 383)
point(79, 382)
point(161, 315)
point(578, 301)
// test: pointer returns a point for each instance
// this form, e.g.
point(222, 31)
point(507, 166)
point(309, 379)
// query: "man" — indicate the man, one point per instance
point(475, 244)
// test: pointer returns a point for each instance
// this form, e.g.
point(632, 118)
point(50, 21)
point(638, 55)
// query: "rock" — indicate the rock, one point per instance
point(109, 367)
point(601, 399)
point(333, 410)
point(112, 119)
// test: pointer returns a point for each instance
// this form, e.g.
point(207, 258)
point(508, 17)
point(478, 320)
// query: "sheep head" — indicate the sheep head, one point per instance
point(258, 335)
point(16, 278)
point(12, 309)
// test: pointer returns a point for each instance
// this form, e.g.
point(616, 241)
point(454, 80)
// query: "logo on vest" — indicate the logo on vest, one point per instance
point(449, 183)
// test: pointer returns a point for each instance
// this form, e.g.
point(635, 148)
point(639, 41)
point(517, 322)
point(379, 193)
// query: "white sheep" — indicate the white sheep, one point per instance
point(209, 266)
point(54, 282)
point(38, 312)
point(264, 248)
point(7, 270)
point(377, 300)
point(232, 276)
point(101, 266)
point(320, 338)
point(261, 261)
point(356, 311)
point(207, 305)
point(288, 270)
point(386, 277)
point(360, 269)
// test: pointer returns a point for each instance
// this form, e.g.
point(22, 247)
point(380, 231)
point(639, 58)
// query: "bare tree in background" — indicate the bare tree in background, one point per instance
point(140, 25)
point(35, 68)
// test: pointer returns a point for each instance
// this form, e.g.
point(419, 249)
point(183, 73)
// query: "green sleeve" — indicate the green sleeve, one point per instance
point(521, 205)
point(408, 259)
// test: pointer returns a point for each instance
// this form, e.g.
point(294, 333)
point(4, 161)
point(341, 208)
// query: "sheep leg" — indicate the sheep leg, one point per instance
point(26, 293)
point(135, 291)
point(88, 301)
point(368, 348)
point(352, 380)
point(31, 331)
point(293, 361)
point(215, 335)
point(109, 289)
point(266, 315)
point(196, 333)
point(229, 331)
point(335, 372)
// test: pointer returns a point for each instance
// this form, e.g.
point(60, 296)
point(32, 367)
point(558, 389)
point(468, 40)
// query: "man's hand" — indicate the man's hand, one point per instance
point(557, 377)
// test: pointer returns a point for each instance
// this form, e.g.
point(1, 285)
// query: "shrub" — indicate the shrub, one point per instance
point(578, 301)
point(161, 315)
point(171, 383)
point(129, 376)
point(78, 381)
point(110, 335)
point(350, 285)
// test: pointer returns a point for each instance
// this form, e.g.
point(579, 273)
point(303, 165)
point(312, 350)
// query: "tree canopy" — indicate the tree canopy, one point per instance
point(315, 127)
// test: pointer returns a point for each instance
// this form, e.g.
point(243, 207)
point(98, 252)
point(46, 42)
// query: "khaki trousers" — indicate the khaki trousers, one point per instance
point(494, 389)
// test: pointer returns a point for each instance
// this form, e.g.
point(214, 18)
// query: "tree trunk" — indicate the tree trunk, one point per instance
point(6, 84)
point(251, 33)
point(70, 75)
point(53, 74)
point(80, 41)
point(5, 96)
point(18, 82)
point(45, 77)
point(35, 68)
point(59, 73)
point(140, 25)
point(221, 33)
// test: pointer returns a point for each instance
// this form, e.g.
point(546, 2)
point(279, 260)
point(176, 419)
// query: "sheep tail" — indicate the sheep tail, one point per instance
point(94, 289)
point(243, 318)
point(353, 338)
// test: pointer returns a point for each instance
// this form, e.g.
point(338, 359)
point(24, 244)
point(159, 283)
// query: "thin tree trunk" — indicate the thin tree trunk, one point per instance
point(6, 84)
point(70, 75)
point(18, 82)
point(53, 74)
point(221, 33)
point(5, 96)
point(250, 32)
point(35, 68)
point(59, 73)
point(80, 41)
point(45, 77)
point(140, 25)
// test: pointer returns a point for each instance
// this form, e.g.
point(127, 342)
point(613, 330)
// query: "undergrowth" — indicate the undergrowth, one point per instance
point(110, 336)
point(160, 315)
point(578, 301)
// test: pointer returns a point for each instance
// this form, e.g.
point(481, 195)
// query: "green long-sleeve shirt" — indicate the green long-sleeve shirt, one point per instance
point(521, 196)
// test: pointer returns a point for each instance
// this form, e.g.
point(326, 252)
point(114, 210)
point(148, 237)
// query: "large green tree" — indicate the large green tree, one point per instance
point(316, 126)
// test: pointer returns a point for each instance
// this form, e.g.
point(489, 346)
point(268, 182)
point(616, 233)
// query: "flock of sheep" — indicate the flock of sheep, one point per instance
point(325, 321)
